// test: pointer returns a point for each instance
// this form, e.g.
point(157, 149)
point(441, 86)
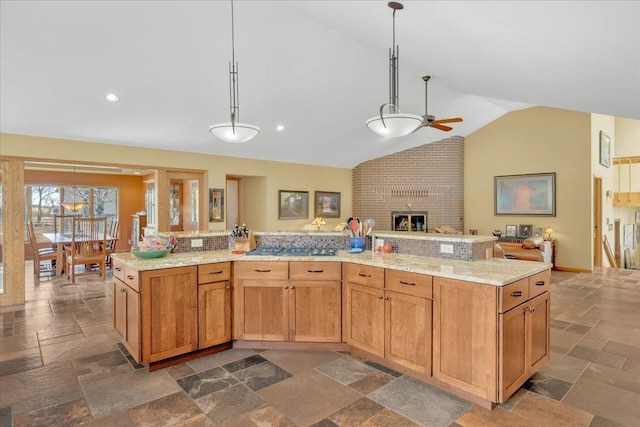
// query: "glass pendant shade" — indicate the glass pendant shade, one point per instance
point(395, 124)
point(235, 133)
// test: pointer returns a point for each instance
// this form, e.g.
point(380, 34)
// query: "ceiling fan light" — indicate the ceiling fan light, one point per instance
point(395, 124)
point(236, 133)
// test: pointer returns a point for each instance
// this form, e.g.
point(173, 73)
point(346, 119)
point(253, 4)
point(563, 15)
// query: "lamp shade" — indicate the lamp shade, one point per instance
point(236, 132)
point(395, 124)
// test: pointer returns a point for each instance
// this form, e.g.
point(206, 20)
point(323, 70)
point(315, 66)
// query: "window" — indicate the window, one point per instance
point(44, 202)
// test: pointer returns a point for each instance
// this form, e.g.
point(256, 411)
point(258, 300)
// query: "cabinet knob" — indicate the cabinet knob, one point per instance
point(386, 298)
point(122, 290)
point(286, 287)
point(532, 309)
point(228, 287)
point(540, 283)
point(380, 297)
point(293, 287)
point(118, 269)
point(516, 294)
point(130, 277)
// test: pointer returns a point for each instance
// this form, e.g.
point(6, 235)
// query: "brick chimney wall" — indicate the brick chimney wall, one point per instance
point(429, 177)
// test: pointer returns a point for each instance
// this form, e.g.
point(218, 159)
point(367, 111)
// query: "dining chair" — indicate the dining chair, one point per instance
point(111, 244)
point(39, 254)
point(88, 247)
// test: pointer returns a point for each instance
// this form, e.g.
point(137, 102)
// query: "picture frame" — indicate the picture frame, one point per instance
point(638, 216)
point(524, 231)
point(326, 204)
point(529, 194)
point(538, 232)
point(510, 231)
point(605, 149)
point(293, 204)
point(216, 205)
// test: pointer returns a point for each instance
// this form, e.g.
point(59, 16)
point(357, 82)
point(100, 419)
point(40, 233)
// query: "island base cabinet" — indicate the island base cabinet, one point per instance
point(465, 325)
point(365, 318)
point(524, 343)
point(126, 317)
point(214, 314)
point(264, 314)
point(408, 331)
point(315, 308)
point(169, 312)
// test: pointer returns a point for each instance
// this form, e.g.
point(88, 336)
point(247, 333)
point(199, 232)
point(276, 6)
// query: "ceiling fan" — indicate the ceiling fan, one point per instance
point(430, 121)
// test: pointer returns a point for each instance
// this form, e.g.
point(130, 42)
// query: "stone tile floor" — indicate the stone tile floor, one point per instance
point(61, 364)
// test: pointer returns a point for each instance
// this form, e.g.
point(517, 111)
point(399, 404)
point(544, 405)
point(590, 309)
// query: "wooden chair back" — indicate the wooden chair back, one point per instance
point(39, 255)
point(113, 232)
point(88, 246)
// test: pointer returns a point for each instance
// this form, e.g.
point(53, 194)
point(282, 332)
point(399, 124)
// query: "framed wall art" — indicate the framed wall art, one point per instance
point(538, 232)
point(327, 204)
point(524, 230)
point(531, 194)
point(293, 204)
point(216, 205)
point(510, 231)
point(627, 239)
point(605, 149)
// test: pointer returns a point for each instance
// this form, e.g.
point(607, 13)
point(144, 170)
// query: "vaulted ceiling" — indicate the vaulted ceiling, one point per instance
point(320, 68)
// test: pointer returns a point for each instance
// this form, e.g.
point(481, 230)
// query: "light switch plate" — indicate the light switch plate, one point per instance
point(446, 249)
point(196, 243)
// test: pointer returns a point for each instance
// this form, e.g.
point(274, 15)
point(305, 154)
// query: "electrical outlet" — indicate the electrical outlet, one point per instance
point(446, 249)
point(196, 243)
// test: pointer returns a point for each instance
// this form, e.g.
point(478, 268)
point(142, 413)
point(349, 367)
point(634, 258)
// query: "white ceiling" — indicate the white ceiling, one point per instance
point(318, 67)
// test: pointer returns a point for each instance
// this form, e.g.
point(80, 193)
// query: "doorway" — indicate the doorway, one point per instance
point(233, 205)
point(597, 221)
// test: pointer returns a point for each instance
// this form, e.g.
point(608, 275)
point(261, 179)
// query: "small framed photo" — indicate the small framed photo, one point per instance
point(293, 204)
point(510, 231)
point(538, 232)
point(216, 205)
point(605, 149)
point(327, 204)
point(638, 216)
point(524, 231)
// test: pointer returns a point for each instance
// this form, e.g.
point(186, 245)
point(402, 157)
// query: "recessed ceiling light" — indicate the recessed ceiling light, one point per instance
point(112, 97)
point(280, 128)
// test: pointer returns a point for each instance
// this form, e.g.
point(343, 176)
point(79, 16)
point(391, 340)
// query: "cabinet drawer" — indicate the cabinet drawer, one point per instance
point(216, 272)
point(514, 294)
point(271, 270)
point(419, 285)
point(131, 278)
point(314, 270)
point(363, 275)
point(118, 268)
point(539, 283)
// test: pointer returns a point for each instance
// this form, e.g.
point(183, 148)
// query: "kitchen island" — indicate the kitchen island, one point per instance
point(476, 329)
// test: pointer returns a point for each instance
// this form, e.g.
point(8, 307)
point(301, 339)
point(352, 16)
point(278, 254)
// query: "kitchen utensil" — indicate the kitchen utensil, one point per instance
point(370, 223)
point(354, 227)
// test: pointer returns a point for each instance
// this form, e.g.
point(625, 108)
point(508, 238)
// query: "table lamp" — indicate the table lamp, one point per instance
point(318, 222)
point(548, 232)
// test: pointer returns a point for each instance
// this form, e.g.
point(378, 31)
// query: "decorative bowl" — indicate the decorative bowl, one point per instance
point(150, 254)
point(497, 233)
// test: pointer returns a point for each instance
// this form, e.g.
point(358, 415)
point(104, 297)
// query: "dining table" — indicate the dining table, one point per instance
point(60, 240)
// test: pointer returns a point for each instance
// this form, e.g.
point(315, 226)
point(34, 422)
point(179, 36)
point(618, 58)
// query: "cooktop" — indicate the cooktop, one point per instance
point(291, 251)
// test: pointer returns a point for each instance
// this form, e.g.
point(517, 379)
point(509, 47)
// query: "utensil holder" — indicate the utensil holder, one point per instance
point(357, 242)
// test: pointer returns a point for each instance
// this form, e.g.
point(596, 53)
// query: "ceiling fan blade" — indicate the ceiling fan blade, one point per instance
point(452, 120)
point(441, 127)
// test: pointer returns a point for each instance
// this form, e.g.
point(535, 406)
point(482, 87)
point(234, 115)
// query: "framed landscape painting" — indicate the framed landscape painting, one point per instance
point(531, 194)
point(216, 205)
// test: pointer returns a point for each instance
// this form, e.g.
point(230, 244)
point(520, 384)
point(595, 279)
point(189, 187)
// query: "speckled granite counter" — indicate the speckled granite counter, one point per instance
point(497, 272)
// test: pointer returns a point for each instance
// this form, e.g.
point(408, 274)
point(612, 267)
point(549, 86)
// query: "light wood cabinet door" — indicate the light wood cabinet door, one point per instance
point(126, 317)
point(408, 331)
point(365, 318)
point(524, 343)
point(263, 310)
point(465, 339)
point(169, 312)
point(315, 311)
point(214, 313)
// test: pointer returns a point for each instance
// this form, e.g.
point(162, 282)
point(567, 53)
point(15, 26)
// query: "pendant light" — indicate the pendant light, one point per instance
point(395, 123)
point(74, 206)
point(234, 131)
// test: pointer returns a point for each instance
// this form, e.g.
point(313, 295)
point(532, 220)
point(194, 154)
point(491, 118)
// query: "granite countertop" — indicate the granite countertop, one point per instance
point(495, 271)
point(419, 235)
